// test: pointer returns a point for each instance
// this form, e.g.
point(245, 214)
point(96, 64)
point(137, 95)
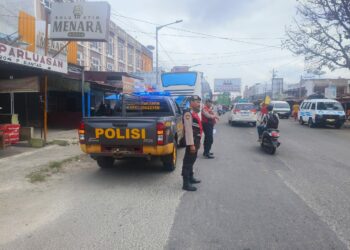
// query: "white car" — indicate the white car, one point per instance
point(243, 113)
point(321, 112)
point(281, 108)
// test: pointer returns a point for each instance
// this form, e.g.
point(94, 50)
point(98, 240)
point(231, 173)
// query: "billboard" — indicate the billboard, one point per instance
point(227, 85)
point(330, 92)
point(277, 87)
point(80, 21)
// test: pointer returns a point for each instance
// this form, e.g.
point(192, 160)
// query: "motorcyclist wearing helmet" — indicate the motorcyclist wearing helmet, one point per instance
point(263, 123)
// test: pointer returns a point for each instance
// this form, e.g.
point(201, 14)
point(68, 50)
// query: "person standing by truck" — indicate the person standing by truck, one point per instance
point(193, 133)
point(208, 121)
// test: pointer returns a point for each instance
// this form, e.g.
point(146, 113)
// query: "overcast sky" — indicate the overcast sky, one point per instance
point(254, 29)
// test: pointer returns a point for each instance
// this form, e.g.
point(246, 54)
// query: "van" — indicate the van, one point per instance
point(321, 112)
point(281, 108)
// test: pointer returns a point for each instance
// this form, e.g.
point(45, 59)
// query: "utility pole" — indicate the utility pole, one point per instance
point(273, 77)
point(46, 80)
point(301, 78)
point(157, 29)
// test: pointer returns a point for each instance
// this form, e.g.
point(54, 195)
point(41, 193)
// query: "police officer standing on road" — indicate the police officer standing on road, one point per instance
point(193, 133)
point(208, 121)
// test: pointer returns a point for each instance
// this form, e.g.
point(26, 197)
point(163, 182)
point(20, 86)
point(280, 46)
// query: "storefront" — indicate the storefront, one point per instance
point(22, 77)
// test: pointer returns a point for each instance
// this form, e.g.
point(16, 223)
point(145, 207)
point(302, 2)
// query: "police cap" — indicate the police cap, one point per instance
point(195, 98)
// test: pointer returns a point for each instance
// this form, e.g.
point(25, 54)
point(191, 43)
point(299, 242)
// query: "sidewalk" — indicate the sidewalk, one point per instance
point(19, 160)
point(69, 136)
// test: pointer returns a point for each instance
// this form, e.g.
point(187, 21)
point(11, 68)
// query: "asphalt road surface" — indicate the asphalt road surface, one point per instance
point(296, 199)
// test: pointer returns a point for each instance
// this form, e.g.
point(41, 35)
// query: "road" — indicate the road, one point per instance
point(296, 199)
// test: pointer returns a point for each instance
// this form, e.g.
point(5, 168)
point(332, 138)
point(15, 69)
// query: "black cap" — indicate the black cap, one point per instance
point(195, 98)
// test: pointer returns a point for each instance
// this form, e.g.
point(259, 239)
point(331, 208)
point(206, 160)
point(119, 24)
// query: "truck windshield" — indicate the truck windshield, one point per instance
point(136, 106)
point(329, 106)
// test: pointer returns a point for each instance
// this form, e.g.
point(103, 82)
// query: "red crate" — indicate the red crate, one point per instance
point(10, 127)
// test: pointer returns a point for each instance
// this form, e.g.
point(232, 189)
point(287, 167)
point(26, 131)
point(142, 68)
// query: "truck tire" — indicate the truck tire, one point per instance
point(311, 123)
point(169, 161)
point(105, 161)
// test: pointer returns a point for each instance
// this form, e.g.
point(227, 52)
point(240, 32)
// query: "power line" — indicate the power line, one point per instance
point(208, 35)
point(170, 58)
point(228, 55)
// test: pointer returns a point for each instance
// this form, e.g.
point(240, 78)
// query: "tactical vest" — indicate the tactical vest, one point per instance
point(196, 126)
point(205, 119)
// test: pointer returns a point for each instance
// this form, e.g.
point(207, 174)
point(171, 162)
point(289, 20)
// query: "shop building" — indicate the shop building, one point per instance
point(22, 84)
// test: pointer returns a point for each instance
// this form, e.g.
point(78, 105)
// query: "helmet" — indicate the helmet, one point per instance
point(269, 107)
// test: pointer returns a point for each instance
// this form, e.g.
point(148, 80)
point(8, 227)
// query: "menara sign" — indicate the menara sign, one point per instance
point(80, 21)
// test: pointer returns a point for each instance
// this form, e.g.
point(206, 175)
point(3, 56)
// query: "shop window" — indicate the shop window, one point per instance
point(121, 67)
point(138, 59)
point(110, 67)
point(95, 46)
point(80, 58)
point(130, 55)
point(95, 64)
point(121, 49)
point(110, 47)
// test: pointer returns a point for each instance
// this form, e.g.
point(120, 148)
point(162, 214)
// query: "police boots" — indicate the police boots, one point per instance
point(194, 180)
point(187, 185)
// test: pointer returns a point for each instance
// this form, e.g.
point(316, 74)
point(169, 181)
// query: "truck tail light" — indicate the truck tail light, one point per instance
point(161, 133)
point(81, 132)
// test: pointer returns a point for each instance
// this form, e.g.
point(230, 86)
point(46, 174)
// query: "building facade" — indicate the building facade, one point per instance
point(306, 87)
point(122, 53)
point(22, 87)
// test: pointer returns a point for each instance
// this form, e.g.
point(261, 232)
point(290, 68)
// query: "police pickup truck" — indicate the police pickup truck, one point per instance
point(143, 125)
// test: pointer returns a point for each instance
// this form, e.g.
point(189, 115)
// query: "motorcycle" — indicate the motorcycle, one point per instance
point(269, 141)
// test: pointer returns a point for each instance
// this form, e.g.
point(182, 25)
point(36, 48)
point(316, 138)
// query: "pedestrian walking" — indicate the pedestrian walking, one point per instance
point(208, 120)
point(193, 133)
point(295, 109)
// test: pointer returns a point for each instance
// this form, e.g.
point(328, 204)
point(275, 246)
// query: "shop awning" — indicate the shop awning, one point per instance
point(29, 84)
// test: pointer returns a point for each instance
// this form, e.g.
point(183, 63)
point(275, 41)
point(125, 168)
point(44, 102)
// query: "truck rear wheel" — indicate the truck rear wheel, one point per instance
point(105, 161)
point(169, 161)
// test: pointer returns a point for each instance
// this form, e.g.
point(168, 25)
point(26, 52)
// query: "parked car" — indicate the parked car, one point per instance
point(243, 113)
point(281, 108)
point(320, 112)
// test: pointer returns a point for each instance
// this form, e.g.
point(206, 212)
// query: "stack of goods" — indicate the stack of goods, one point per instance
point(10, 133)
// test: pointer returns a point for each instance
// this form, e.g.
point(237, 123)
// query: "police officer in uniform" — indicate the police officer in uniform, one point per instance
point(193, 133)
point(208, 121)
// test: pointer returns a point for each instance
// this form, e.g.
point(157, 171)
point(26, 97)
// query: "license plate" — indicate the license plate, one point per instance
point(330, 120)
point(244, 114)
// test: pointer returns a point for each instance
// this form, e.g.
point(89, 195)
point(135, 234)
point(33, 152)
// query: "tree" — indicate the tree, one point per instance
point(321, 33)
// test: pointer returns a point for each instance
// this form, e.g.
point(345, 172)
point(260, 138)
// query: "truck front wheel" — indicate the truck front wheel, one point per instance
point(169, 161)
point(105, 161)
